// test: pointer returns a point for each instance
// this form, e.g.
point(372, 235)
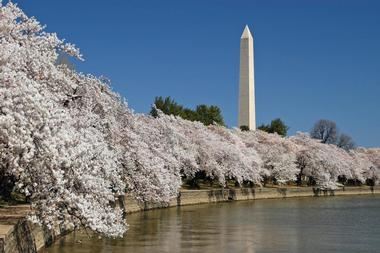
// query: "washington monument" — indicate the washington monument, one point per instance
point(247, 107)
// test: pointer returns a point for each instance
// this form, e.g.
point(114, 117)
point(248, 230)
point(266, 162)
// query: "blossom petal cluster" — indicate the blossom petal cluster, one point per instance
point(75, 148)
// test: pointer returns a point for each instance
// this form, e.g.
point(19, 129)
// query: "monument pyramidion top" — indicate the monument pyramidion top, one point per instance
point(246, 33)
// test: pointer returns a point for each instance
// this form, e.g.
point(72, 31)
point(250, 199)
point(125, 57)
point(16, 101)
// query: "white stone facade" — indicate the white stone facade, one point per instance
point(247, 110)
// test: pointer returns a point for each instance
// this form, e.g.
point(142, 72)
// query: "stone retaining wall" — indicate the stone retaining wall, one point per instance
point(19, 236)
point(26, 237)
point(193, 197)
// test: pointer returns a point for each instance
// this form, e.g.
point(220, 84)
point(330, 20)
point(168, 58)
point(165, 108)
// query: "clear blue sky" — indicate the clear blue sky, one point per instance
point(313, 59)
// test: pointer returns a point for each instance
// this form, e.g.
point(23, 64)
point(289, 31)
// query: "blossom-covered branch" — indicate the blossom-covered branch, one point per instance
point(74, 147)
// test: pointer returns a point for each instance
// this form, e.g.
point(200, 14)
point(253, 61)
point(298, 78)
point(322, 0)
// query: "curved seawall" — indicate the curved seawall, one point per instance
point(194, 197)
point(18, 235)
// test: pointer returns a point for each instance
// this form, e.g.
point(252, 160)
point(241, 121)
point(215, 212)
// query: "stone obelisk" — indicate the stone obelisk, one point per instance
point(247, 113)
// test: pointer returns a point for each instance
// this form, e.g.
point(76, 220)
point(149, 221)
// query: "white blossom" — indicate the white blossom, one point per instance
point(75, 147)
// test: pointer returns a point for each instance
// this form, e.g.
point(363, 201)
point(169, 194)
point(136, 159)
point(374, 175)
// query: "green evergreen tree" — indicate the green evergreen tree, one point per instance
point(166, 105)
point(276, 126)
point(203, 113)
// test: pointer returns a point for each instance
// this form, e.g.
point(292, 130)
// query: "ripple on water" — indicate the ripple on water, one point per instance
point(335, 224)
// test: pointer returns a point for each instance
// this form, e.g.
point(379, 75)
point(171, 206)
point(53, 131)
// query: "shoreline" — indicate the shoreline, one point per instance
point(19, 235)
point(195, 197)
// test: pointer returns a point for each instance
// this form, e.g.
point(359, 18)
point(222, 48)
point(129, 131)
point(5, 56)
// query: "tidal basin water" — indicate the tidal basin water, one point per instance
point(325, 224)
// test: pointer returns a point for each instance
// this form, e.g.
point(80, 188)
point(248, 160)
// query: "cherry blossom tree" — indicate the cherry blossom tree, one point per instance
point(325, 162)
point(371, 159)
point(74, 147)
point(51, 138)
point(277, 153)
point(215, 150)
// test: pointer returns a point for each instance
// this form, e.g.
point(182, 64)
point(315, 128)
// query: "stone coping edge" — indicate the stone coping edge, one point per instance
point(25, 237)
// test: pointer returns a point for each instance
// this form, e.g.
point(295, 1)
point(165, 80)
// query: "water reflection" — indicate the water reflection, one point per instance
point(339, 224)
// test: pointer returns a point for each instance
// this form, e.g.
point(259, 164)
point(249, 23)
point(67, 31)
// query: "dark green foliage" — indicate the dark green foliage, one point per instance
point(265, 128)
point(7, 183)
point(276, 126)
point(209, 114)
point(8, 194)
point(311, 181)
point(370, 182)
point(244, 128)
point(342, 179)
point(167, 106)
point(203, 113)
point(194, 181)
